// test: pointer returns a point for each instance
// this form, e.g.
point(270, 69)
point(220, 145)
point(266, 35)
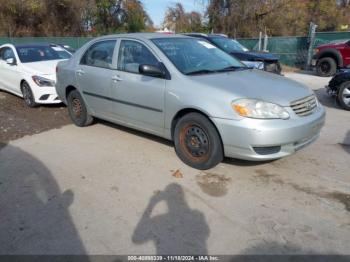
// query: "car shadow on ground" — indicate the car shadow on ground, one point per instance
point(135, 132)
point(181, 230)
point(325, 99)
point(163, 141)
point(35, 218)
point(346, 144)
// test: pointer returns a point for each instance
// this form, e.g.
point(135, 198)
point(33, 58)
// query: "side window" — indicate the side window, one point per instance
point(6, 53)
point(132, 54)
point(99, 54)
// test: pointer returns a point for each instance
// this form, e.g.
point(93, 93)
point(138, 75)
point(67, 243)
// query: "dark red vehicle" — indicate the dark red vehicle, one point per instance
point(328, 58)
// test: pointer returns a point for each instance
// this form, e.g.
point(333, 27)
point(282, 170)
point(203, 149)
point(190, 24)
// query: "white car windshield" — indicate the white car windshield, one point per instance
point(29, 54)
point(195, 56)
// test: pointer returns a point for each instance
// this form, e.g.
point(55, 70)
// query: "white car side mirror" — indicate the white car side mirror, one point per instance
point(10, 61)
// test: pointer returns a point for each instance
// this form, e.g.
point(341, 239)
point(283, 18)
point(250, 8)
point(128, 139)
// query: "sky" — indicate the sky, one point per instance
point(156, 8)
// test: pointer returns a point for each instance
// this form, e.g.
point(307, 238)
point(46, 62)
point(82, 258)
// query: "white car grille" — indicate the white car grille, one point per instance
point(305, 106)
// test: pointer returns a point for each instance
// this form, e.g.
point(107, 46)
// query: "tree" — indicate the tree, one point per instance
point(246, 18)
point(178, 20)
point(71, 17)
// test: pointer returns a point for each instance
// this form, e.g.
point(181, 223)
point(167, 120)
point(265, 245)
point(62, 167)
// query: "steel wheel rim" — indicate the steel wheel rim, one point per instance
point(195, 142)
point(346, 95)
point(77, 107)
point(325, 67)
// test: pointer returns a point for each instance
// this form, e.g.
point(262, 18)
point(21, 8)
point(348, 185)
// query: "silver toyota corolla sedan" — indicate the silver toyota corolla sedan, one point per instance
point(187, 90)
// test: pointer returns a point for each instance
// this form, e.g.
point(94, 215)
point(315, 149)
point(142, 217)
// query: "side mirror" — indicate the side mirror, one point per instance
point(151, 70)
point(11, 61)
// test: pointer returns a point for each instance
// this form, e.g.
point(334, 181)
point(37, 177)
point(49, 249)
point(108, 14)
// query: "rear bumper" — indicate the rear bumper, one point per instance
point(260, 140)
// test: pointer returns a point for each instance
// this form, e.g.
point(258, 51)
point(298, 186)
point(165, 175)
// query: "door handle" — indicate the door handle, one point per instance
point(80, 72)
point(117, 78)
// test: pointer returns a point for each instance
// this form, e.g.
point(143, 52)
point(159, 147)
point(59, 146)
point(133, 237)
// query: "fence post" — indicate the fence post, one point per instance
point(260, 39)
point(312, 38)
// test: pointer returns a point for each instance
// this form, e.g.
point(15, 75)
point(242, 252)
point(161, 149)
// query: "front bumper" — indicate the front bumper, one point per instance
point(260, 140)
point(44, 94)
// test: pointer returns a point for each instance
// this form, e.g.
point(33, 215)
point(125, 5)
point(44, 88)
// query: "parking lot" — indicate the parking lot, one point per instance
point(106, 189)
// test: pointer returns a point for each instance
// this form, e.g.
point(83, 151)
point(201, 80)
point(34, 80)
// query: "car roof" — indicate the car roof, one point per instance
point(33, 45)
point(144, 35)
point(205, 35)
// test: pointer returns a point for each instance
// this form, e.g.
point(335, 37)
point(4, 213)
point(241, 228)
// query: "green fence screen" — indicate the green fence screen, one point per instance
point(292, 50)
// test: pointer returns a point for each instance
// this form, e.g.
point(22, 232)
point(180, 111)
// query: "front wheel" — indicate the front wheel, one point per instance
point(344, 95)
point(28, 96)
point(77, 109)
point(197, 142)
point(326, 66)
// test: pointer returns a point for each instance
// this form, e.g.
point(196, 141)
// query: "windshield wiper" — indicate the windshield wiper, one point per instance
point(199, 72)
point(232, 68)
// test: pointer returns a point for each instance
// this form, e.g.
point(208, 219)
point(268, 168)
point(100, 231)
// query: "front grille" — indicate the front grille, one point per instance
point(305, 106)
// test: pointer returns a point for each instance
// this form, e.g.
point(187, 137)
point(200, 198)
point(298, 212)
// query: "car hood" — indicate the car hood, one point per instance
point(333, 43)
point(255, 56)
point(256, 84)
point(42, 68)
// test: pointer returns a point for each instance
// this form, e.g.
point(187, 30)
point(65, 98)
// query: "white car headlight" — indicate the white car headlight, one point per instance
point(255, 65)
point(253, 108)
point(41, 81)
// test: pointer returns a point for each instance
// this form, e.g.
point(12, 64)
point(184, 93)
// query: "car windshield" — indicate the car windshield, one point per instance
point(195, 56)
point(28, 54)
point(228, 45)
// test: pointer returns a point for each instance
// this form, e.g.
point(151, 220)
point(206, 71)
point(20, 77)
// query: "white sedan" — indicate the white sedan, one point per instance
point(29, 71)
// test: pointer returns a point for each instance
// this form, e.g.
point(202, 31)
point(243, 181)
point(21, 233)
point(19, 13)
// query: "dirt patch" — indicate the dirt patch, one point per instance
point(262, 176)
point(342, 198)
point(213, 184)
point(17, 120)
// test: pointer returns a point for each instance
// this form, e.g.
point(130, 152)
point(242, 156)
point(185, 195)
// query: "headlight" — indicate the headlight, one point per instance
point(255, 65)
point(41, 81)
point(316, 51)
point(253, 108)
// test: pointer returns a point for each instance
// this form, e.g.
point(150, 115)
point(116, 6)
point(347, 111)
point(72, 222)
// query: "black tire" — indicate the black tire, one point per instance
point(343, 96)
point(326, 66)
point(77, 109)
point(197, 142)
point(28, 96)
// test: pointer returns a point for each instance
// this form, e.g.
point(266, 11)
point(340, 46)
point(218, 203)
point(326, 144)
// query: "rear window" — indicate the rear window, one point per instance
point(30, 54)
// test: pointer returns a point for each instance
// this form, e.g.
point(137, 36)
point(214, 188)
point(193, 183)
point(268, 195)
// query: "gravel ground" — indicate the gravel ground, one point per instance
point(17, 120)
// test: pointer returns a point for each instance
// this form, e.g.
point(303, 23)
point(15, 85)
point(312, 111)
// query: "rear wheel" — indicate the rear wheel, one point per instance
point(77, 109)
point(344, 95)
point(197, 142)
point(326, 66)
point(28, 96)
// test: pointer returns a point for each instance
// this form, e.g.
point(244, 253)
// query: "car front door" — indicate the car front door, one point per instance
point(9, 73)
point(139, 99)
point(94, 76)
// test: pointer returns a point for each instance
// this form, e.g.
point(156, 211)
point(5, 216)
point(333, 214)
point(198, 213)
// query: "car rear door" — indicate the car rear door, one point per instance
point(139, 99)
point(94, 76)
